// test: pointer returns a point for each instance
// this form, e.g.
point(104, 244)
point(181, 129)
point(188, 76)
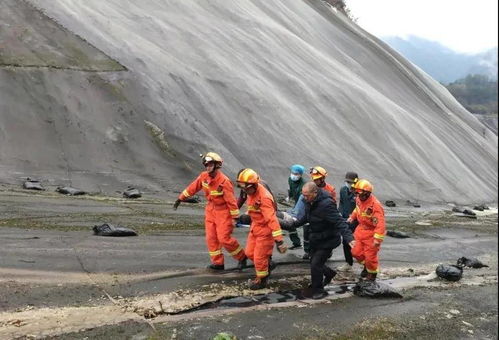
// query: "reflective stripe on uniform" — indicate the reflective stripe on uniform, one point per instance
point(216, 252)
point(234, 212)
point(253, 208)
point(277, 233)
point(237, 251)
point(379, 236)
point(262, 274)
point(205, 185)
point(372, 271)
point(216, 193)
point(186, 193)
point(361, 262)
point(365, 215)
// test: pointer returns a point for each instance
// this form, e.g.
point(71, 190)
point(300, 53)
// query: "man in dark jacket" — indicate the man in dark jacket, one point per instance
point(347, 205)
point(327, 228)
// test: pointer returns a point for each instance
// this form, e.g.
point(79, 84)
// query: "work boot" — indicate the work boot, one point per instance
point(216, 267)
point(242, 264)
point(328, 277)
point(258, 283)
point(316, 294)
point(306, 256)
point(371, 277)
point(363, 273)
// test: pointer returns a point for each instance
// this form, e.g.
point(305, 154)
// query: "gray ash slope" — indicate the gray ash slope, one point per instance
point(264, 83)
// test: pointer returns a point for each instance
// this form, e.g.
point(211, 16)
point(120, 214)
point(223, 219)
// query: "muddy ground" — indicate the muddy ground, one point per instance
point(59, 281)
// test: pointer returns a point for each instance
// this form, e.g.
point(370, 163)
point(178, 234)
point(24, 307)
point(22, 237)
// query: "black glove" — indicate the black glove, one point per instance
point(176, 204)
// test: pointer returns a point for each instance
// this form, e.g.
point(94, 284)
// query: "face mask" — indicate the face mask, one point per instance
point(294, 177)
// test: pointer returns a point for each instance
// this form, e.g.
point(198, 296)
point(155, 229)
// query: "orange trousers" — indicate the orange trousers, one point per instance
point(259, 250)
point(218, 227)
point(364, 250)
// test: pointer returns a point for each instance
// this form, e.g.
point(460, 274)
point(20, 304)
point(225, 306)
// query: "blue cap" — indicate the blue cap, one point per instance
point(297, 169)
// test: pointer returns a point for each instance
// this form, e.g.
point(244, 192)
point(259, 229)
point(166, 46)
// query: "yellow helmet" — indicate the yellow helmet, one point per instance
point(212, 157)
point(318, 172)
point(247, 176)
point(362, 185)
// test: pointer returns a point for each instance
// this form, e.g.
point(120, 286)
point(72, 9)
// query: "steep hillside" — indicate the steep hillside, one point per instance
point(264, 83)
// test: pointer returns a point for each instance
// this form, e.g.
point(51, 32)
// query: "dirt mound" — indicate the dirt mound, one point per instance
point(266, 84)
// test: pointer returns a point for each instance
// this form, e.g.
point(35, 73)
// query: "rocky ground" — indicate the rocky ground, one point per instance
point(60, 281)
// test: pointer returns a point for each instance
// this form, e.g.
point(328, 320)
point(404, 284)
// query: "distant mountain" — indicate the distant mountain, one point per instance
point(443, 63)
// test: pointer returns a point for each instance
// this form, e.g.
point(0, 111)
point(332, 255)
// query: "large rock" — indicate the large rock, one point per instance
point(264, 83)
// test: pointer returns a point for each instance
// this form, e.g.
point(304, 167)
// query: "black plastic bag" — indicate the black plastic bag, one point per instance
point(32, 184)
point(70, 191)
point(391, 204)
point(375, 289)
point(107, 229)
point(132, 193)
point(470, 262)
point(481, 207)
point(469, 212)
point(449, 272)
point(397, 234)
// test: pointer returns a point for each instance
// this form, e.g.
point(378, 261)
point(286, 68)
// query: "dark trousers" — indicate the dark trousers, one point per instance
point(306, 238)
point(318, 268)
point(293, 236)
point(346, 247)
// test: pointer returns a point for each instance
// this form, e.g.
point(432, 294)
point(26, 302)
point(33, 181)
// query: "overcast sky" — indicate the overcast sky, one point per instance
point(463, 25)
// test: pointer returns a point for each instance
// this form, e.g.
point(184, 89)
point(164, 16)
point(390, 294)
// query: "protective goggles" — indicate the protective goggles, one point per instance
point(315, 173)
point(208, 160)
point(243, 185)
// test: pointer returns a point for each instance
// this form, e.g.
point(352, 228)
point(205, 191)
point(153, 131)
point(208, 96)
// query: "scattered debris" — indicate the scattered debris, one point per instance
point(463, 211)
point(390, 204)
point(470, 262)
point(107, 229)
point(454, 312)
point(375, 289)
point(481, 207)
point(70, 191)
point(415, 205)
point(449, 272)
point(397, 234)
point(131, 192)
point(32, 184)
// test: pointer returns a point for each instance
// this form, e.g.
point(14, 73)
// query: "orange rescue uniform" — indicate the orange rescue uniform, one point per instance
point(219, 214)
point(332, 191)
point(264, 230)
point(371, 218)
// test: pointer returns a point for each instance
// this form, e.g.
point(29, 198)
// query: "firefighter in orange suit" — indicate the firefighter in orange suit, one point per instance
point(221, 211)
point(371, 229)
point(319, 175)
point(264, 230)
